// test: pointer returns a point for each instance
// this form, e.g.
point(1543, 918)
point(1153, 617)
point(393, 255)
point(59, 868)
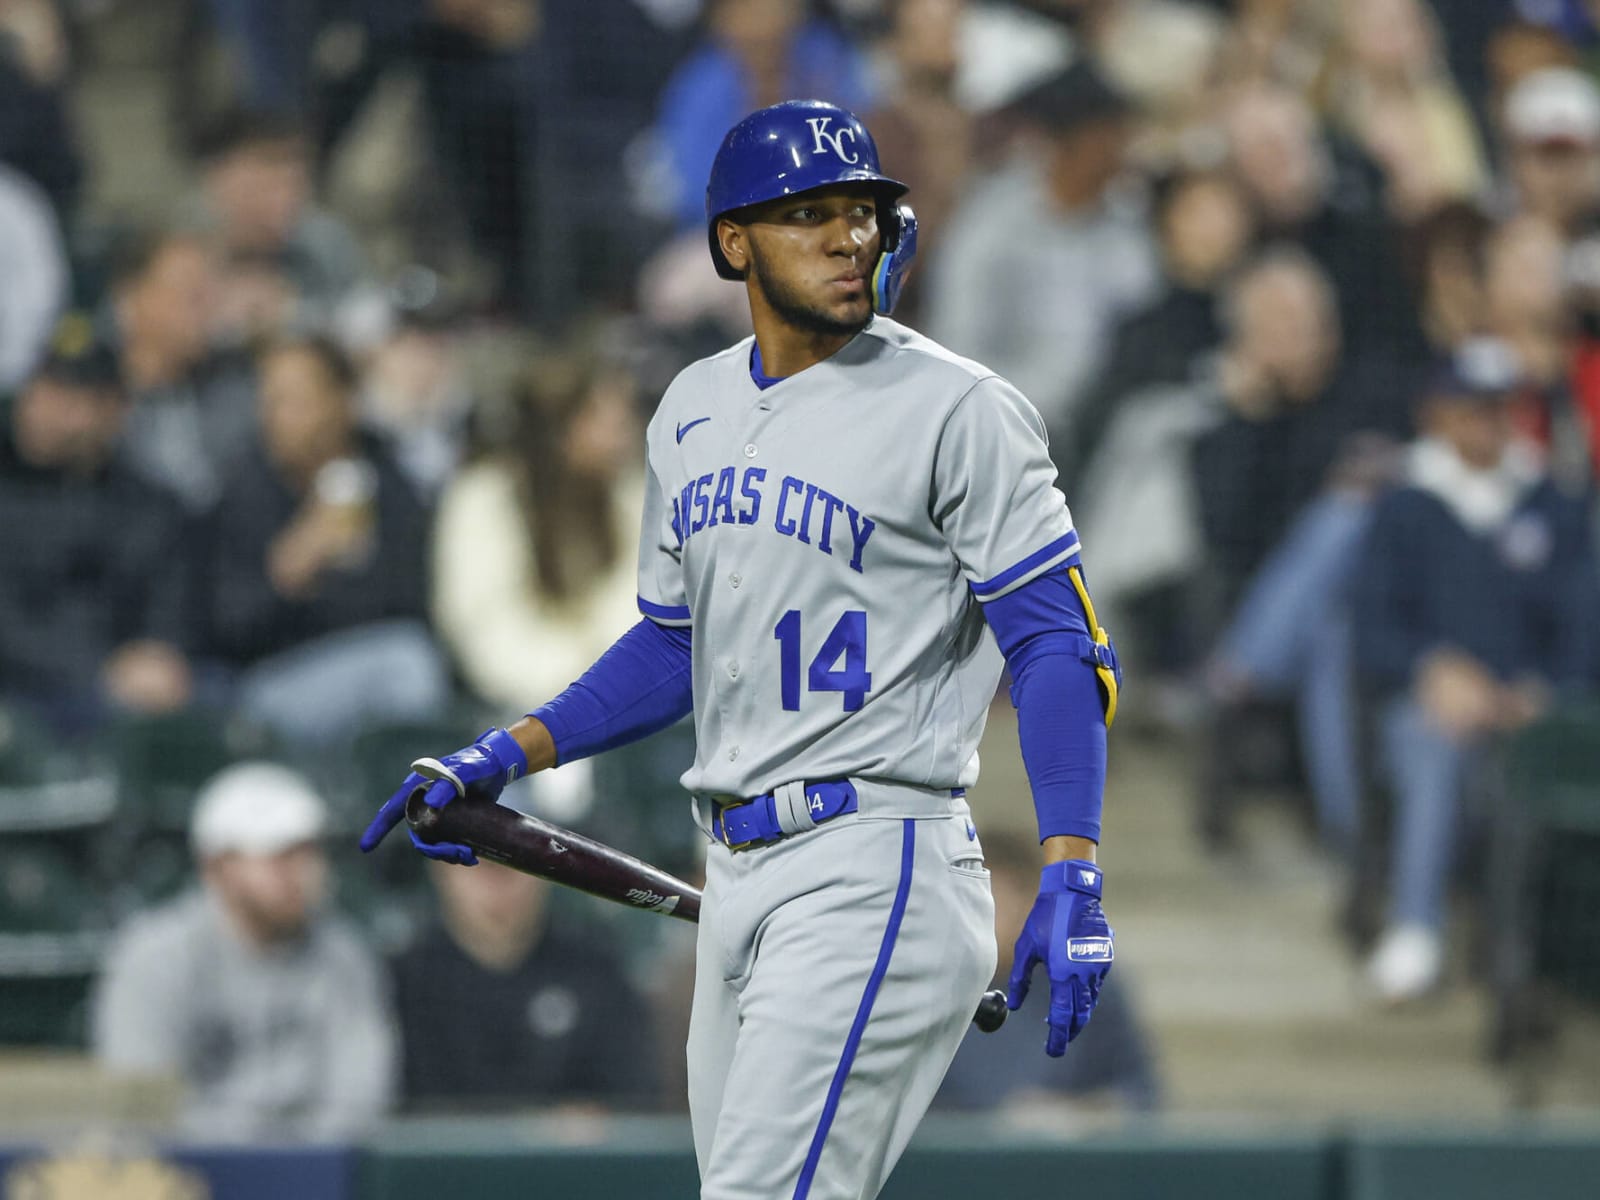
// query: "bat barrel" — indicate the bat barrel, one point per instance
point(551, 852)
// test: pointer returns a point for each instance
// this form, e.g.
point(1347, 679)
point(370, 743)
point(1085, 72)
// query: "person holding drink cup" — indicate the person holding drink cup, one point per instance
point(315, 579)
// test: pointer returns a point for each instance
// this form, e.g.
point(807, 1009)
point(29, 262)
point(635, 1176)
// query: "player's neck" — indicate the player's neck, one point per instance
point(788, 349)
point(792, 351)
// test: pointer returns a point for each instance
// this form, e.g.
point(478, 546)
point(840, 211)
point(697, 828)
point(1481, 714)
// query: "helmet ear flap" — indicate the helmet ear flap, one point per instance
point(894, 261)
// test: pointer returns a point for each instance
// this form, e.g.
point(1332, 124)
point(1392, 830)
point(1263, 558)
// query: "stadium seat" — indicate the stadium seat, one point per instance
point(386, 894)
point(20, 735)
point(47, 785)
point(52, 934)
point(162, 761)
point(152, 865)
point(1544, 878)
point(379, 756)
point(42, 889)
point(45, 1009)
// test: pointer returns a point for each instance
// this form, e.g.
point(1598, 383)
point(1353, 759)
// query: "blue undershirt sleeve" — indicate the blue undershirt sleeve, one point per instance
point(1044, 634)
point(640, 685)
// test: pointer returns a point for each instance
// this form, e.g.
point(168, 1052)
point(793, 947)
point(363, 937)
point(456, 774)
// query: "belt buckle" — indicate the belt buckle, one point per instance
point(735, 847)
point(722, 820)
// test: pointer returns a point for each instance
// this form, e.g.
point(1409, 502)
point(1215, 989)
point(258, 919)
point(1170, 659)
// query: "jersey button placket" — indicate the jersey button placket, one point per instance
point(734, 580)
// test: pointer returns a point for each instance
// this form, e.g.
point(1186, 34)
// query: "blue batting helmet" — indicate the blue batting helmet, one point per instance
point(799, 146)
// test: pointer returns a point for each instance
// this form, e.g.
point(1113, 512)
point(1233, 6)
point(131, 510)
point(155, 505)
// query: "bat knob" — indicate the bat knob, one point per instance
point(991, 1012)
point(420, 816)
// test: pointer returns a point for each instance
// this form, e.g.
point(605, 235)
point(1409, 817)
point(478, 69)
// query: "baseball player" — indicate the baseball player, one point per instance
point(848, 530)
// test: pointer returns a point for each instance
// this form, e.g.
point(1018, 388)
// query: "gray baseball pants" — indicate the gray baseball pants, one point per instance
point(837, 971)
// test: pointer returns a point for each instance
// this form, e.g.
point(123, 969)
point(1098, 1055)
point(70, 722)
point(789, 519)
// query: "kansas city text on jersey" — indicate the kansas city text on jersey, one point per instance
point(800, 510)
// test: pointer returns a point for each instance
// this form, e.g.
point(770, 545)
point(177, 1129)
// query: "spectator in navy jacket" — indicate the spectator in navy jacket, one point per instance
point(1474, 606)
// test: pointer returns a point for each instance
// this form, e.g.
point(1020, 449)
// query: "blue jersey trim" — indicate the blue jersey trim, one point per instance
point(1064, 547)
point(830, 1106)
point(665, 614)
point(758, 376)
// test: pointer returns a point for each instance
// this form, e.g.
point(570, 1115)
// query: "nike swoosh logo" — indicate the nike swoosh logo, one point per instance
point(683, 429)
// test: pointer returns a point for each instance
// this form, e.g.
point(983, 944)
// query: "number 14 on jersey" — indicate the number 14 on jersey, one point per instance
point(839, 666)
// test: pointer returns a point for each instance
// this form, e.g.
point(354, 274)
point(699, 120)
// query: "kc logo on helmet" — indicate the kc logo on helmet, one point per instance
point(822, 140)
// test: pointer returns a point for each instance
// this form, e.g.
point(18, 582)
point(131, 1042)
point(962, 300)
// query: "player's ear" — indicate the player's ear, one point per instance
point(734, 239)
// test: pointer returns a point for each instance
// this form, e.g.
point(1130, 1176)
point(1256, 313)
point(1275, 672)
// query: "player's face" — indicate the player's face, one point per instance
point(812, 256)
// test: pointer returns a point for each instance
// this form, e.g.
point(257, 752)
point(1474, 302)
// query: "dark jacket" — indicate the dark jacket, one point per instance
point(563, 1025)
point(1158, 344)
point(1253, 477)
point(1522, 600)
point(247, 619)
point(90, 562)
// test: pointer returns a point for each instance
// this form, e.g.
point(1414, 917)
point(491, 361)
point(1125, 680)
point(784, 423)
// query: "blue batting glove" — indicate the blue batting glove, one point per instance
point(481, 771)
point(1068, 933)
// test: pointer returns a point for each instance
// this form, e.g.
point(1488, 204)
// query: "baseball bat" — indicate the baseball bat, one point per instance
point(552, 852)
point(562, 856)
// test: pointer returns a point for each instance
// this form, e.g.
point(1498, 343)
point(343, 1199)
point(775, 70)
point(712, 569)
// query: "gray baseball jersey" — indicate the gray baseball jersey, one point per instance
point(830, 539)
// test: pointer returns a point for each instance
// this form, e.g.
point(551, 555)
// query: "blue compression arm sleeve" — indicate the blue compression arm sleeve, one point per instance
point(640, 685)
point(1044, 634)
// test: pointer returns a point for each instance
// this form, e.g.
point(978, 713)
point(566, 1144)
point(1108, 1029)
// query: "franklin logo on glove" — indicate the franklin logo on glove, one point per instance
point(1089, 949)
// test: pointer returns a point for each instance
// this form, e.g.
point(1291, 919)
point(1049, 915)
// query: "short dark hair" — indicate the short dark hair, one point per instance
point(242, 128)
point(1274, 256)
point(1167, 186)
point(1457, 225)
point(132, 253)
point(332, 357)
point(1079, 94)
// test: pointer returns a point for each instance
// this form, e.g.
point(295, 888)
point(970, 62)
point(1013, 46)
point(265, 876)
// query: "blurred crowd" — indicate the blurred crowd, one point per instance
point(1306, 291)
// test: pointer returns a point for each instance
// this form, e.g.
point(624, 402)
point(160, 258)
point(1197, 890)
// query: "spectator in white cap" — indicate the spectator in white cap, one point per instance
point(1551, 121)
point(271, 1013)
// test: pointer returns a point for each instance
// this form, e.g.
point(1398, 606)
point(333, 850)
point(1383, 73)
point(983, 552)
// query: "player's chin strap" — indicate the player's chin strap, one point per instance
point(899, 248)
point(1103, 656)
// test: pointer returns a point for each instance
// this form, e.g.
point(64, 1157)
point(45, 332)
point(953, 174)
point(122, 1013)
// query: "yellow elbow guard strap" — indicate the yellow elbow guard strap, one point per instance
point(1104, 655)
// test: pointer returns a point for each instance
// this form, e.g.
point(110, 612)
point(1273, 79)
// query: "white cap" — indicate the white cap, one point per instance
point(1483, 366)
point(255, 808)
point(1554, 104)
